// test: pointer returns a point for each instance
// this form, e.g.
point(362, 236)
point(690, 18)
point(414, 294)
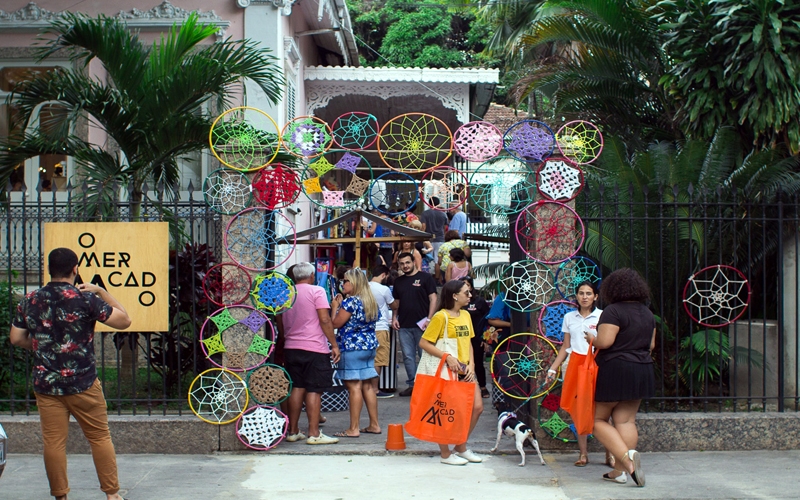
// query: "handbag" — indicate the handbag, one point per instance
point(441, 408)
point(577, 392)
point(428, 363)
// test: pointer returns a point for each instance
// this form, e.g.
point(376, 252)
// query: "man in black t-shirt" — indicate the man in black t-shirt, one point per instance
point(434, 221)
point(415, 293)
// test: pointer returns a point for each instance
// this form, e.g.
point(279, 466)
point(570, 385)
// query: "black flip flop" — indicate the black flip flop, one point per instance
point(365, 431)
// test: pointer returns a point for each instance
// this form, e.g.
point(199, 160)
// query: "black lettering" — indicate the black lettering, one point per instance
point(131, 281)
point(98, 280)
point(124, 258)
point(80, 240)
point(108, 259)
point(111, 282)
point(147, 298)
point(88, 258)
point(146, 275)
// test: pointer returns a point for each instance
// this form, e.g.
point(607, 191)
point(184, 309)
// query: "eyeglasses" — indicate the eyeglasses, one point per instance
point(467, 292)
point(345, 281)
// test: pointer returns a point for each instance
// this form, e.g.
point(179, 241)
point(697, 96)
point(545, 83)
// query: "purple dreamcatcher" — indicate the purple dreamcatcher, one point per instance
point(306, 136)
point(529, 141)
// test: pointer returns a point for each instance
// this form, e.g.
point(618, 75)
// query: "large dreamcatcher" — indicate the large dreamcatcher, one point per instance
point(269, 384)
point(414, 142)
point(244, 138)
point(276, 186)
point(559, 180)
point(237, 338)
point(337, 179)
point(448, 184)
point(551, 319)
point(273, 292)
point(502, 186)
point(355, 130)
point(227, 284)
point(218, 396)
point(528, 285)
point(574, 271)
point(716, 296)
point(580, 141)
point(519, 365)
point(227, 191)
point(549, 231)
point(259, 239)
point(394, 193)
point(306, 136)
point(262, 427)
point(555, 421)
point(529, 141)
point(478, 141)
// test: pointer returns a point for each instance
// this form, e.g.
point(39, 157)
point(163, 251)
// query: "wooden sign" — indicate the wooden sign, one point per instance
point(129, 259)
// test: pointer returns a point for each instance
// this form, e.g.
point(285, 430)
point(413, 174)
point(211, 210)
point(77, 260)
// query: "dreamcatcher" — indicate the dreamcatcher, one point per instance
point(502, 186)
point(559, 180)
point(244, 138)
point(273, 292)
point(580, 141)
point(218, 396)
point(262, 427)
point(529, 141)
point(447, 184)
point(394, 193)
point(237, 338)
point(276, 186)
point(306, 136)
point(337, 179)
point(574, 271)
point(227, 284)
point(259, 239)
point(519, 365)
point(716, 296)
point(551, 318)
point(528, 286)
point(355, 130)
point(549, 231)
point(414, 142)
point(269, 384)
point(227, 191)
point(478, 141)
point(555, 422)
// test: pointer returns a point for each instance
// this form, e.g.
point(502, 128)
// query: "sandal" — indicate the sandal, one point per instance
point(484, 392)
point(582, 461)
point(610, 460)
point(344, 434)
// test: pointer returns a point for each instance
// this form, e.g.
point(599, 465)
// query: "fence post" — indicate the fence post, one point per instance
point(781, 347)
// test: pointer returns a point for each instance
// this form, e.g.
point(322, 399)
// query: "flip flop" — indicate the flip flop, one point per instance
point(365, 431)
point(344, 434)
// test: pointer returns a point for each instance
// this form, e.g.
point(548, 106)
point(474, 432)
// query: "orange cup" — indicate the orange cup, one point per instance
point(395, 440)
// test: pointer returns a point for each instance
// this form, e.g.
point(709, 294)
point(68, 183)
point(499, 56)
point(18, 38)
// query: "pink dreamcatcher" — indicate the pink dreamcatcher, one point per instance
point(355, 130)
point(306, 136)
point(227, 284)
point(446, 183)
point(580, 141)
point(549, 231)
point(559, 180)
point(276, 186)
point(414, 142)
point(529, 141)
point(478, 141)
point(716, 296)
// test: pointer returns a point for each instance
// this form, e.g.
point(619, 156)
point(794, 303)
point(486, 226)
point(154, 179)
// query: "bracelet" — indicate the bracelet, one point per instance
point(551, 371)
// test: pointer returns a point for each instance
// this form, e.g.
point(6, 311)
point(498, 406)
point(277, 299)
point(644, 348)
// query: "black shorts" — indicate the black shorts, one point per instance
point(309, 370)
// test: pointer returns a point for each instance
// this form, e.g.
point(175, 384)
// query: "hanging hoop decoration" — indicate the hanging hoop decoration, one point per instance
point(244, 138)
point(580, 141)
point(557, 423)
point(227, 191)
point(551, 318)
point(716, 296)
point(218, 396)
point(394, 193)
point(276, 186)
point(269, 384)
point(558, 180)
point(262, 427)
point(337, 179)
point(502, 186)
point(306, 137)
point(549, 231)
point(237, 338)
point(519, 365)
point(446, 183)
point(574, 271)
point(226, 284)
point(273, 293)
point(414, 142)
point(529, 141)
point(355, 130)
point(528, 286)
point(478, 141)
point(259, 239)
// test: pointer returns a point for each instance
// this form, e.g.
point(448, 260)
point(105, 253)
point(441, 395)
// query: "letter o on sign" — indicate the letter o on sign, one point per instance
point(146, 298)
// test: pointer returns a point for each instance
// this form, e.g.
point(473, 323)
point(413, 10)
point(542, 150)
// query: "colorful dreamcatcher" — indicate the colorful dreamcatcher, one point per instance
point(529, 141)
point(716, 296)
point(355, 130)
point(478, 141)
point(556, 422)
point(394, 193)
point(528, 285)
point(269, 384)
point(259, 239)
point(227, 284)
point(580, 141)
point(549, 231)
point(519, 365)
point(276, 186)
point(414, 142)
point(574, 271)
point(551, 318)
point(273, 292)
point(237, 338)
point(502, 186)
point(559, 180)
point(306, 136)
point(244, 139)
point(218, 396)
point(227, 191)
point(262, 427)
point(337, 179)
point(446, 183)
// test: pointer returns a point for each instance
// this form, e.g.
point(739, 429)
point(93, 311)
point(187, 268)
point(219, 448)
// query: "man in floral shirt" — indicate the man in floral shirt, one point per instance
point(57, 323)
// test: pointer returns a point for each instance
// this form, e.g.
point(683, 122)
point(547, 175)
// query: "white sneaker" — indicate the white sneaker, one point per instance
point(322, 439)
point(469, 456)
point(454, 459)
point(295, 437)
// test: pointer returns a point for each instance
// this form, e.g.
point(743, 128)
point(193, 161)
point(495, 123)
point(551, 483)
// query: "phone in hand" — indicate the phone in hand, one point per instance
point(462, 368)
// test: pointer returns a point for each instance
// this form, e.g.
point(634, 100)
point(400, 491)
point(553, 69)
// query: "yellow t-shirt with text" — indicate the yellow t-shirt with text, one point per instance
point(459, 328)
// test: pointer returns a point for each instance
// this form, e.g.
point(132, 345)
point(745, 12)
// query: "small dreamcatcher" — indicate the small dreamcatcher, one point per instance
point(218, 396)
point(259, 239)
point(528, 286)
point(446, 183)
point(227, 284)
point(269, 384)
point(478, 141)
point(559, 180)
point(227, 191)
point(244, 138)
point(529, 141)
point(519, 365)
point(502, 186)
point(716, 296)
point(394, 193)
point(355, 130)
point(551, 319)
point(306, 136)
point(273, 292)
point(555, 421)
point(262, 427)
point(276, 186)
point(549, 231)
point(237, 338)
point(574, 271)
point(414, 142)
point(337, 179)
point(580, 141)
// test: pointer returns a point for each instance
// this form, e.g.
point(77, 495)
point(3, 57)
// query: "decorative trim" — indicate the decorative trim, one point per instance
point(426, 75)
point(291, 53)
point(285, 6)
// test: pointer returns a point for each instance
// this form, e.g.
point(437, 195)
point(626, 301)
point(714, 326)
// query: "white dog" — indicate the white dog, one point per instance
point(509, 424)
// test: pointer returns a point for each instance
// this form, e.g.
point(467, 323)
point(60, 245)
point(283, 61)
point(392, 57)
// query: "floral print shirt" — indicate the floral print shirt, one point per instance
point(60, 320)
point(357, 334)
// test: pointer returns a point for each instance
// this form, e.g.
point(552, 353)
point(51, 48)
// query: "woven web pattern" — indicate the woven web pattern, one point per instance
point(478, 141)
point(551, 402)
point(312, 186)
point(262, 427)
point(555, 425)
point(226, 284)
point(414, 142)
point(529, 141)
point(254, 321)
point(269, 384)
point(574, 271)
point(446, 183)
point(394, 193)
point(716, 296)
point(341, 181)
point(244, 139)
point(528, 286)
point(502, 186)
point(349, 162)
point(558, 180)
point(551, 318)
point(273, 292)
point(519, 365)
point(276, 186)
point(580, 141)
point(252, 328)
point(555, 421)
point(333, 199)
point(549, 231)
point(227, 191)
point(355, 130)
point(322, 166)
point(259, 239)
point(218, 396)
point(306, 136)
point(235, 360)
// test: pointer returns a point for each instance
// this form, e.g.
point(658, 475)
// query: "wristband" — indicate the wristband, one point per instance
point(551, 371)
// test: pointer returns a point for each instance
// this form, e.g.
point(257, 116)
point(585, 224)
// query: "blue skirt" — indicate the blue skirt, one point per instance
point(357, 365)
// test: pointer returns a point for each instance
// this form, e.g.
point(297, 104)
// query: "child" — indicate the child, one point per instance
point(458, 266)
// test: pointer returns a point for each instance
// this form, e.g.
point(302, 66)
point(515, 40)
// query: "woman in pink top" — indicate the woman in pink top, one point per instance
point(458, 267)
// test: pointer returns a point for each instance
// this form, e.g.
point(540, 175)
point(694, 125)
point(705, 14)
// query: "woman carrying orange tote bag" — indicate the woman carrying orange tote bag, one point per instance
point(577, 392)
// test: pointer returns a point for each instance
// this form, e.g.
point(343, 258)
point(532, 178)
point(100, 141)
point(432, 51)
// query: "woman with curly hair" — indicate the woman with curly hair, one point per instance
point(626, 337)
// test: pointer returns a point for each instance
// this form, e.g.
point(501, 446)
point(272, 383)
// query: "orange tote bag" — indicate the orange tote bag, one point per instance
point(577, 392)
